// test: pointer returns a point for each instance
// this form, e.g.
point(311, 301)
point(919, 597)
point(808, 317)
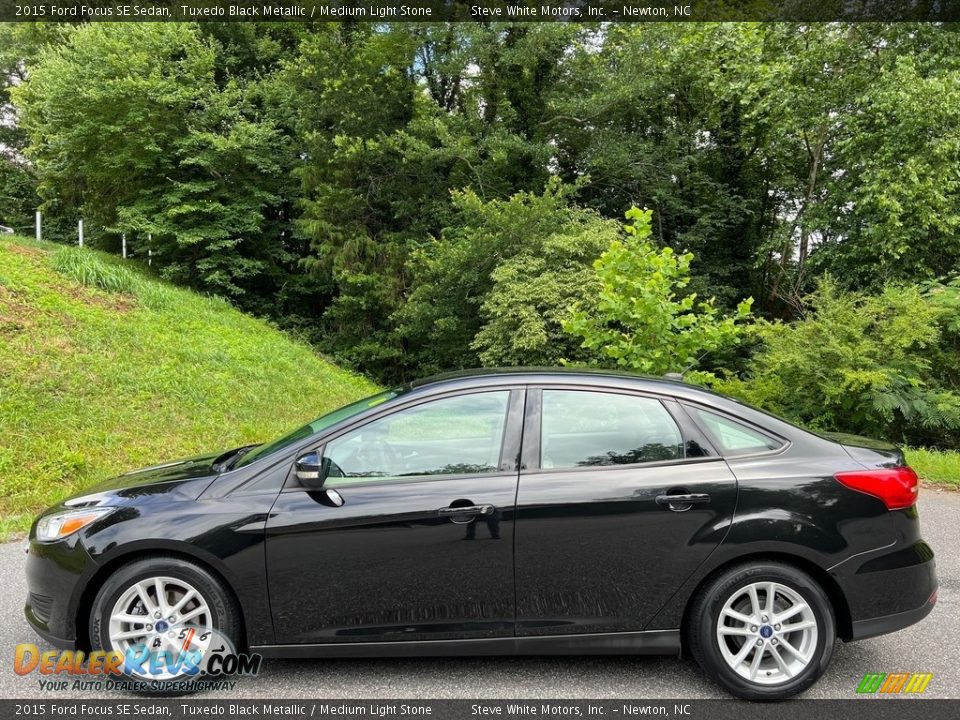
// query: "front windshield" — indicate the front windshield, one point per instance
point(316, 426)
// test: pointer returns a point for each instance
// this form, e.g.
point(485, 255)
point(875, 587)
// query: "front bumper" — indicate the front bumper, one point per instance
point(56, 575)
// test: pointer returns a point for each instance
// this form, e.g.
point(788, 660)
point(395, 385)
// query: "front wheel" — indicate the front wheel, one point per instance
point(763, 631)
point(163, 615)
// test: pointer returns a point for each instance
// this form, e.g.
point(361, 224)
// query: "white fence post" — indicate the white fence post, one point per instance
point(124, 236)
point(38, 225)
point(80, 231)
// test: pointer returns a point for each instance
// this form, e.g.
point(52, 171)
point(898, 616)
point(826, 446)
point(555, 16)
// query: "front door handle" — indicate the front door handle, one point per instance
point(468, 510)
point(683, 501)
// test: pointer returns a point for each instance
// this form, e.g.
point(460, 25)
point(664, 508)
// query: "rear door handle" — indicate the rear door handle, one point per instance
point(681, 502)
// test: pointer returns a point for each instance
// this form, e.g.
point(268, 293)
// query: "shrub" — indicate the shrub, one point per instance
point(858, 363)
point(638, 321)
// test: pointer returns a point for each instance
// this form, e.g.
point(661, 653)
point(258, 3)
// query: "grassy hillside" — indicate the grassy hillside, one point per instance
point(103, 369)
point(936, 467)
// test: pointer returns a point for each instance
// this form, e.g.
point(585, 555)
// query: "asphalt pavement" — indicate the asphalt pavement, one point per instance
point(932, 646)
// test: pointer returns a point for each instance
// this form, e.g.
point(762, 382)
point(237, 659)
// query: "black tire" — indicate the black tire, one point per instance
point(701, 630)
point(225, 615)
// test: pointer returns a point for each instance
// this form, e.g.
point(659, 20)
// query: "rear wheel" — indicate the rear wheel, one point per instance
point(167, 610)
point(763, 632)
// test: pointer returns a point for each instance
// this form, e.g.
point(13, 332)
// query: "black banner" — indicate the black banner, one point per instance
point(478, 10)
point(188, 709)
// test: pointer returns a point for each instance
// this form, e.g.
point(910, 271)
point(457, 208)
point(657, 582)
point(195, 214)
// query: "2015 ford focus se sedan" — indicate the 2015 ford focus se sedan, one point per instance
point(490, 513)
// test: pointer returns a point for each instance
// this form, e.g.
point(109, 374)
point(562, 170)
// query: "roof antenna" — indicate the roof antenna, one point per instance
point(678, 376)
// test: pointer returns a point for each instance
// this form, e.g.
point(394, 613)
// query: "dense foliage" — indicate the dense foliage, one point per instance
point(420, 197)
point(496, 287)
point(149, 144)
point(869, 364)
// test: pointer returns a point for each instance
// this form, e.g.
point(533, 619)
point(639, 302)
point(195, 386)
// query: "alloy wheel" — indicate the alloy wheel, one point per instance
point(167, 615)
point(767, 633)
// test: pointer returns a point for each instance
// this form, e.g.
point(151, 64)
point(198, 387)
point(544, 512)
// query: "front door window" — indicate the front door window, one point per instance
point(459, 435)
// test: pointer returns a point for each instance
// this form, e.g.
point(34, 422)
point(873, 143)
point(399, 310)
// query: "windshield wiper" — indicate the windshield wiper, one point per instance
point(229, 458)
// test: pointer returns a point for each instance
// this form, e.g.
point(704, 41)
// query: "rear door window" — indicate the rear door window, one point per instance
point(594, 429)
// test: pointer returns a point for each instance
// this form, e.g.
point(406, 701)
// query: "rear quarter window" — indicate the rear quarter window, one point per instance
point(733, 437)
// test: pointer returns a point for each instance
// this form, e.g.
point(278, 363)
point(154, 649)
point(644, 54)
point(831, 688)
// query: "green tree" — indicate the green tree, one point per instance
point(318, 173)
point(129, 127)
point(900, 188)
point(639, 322)
point(533, 294)
point(392, 119)
point(860, 140)
point(649, 113)
point(20, 44)
point(773, 151)
point(17, 195)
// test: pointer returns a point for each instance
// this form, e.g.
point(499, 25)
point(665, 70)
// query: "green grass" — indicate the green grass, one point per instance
point(935, 467)
point(104, 369)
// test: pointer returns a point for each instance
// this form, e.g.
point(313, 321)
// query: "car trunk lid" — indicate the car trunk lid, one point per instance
point(870, 452)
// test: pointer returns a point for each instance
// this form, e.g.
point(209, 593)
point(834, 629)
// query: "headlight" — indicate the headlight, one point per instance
point(58, 526)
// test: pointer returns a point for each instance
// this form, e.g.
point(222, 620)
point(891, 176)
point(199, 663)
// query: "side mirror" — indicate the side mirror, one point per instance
point(309, 470)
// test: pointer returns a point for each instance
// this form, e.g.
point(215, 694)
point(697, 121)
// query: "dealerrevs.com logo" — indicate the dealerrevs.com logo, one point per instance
point(888, 684)
point(207, 662)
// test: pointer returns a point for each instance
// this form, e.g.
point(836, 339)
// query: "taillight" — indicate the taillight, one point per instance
point(897, 487)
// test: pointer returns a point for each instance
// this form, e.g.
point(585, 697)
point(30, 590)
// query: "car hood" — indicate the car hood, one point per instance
point(187, 477)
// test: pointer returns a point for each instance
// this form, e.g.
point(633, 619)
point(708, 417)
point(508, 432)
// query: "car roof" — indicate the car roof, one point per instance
point(567, 375)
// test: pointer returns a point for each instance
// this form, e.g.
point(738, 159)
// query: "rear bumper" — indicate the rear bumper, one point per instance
point(889, 590)
point(863, 629)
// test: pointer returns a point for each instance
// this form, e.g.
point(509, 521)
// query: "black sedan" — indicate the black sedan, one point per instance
point(508, 512)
